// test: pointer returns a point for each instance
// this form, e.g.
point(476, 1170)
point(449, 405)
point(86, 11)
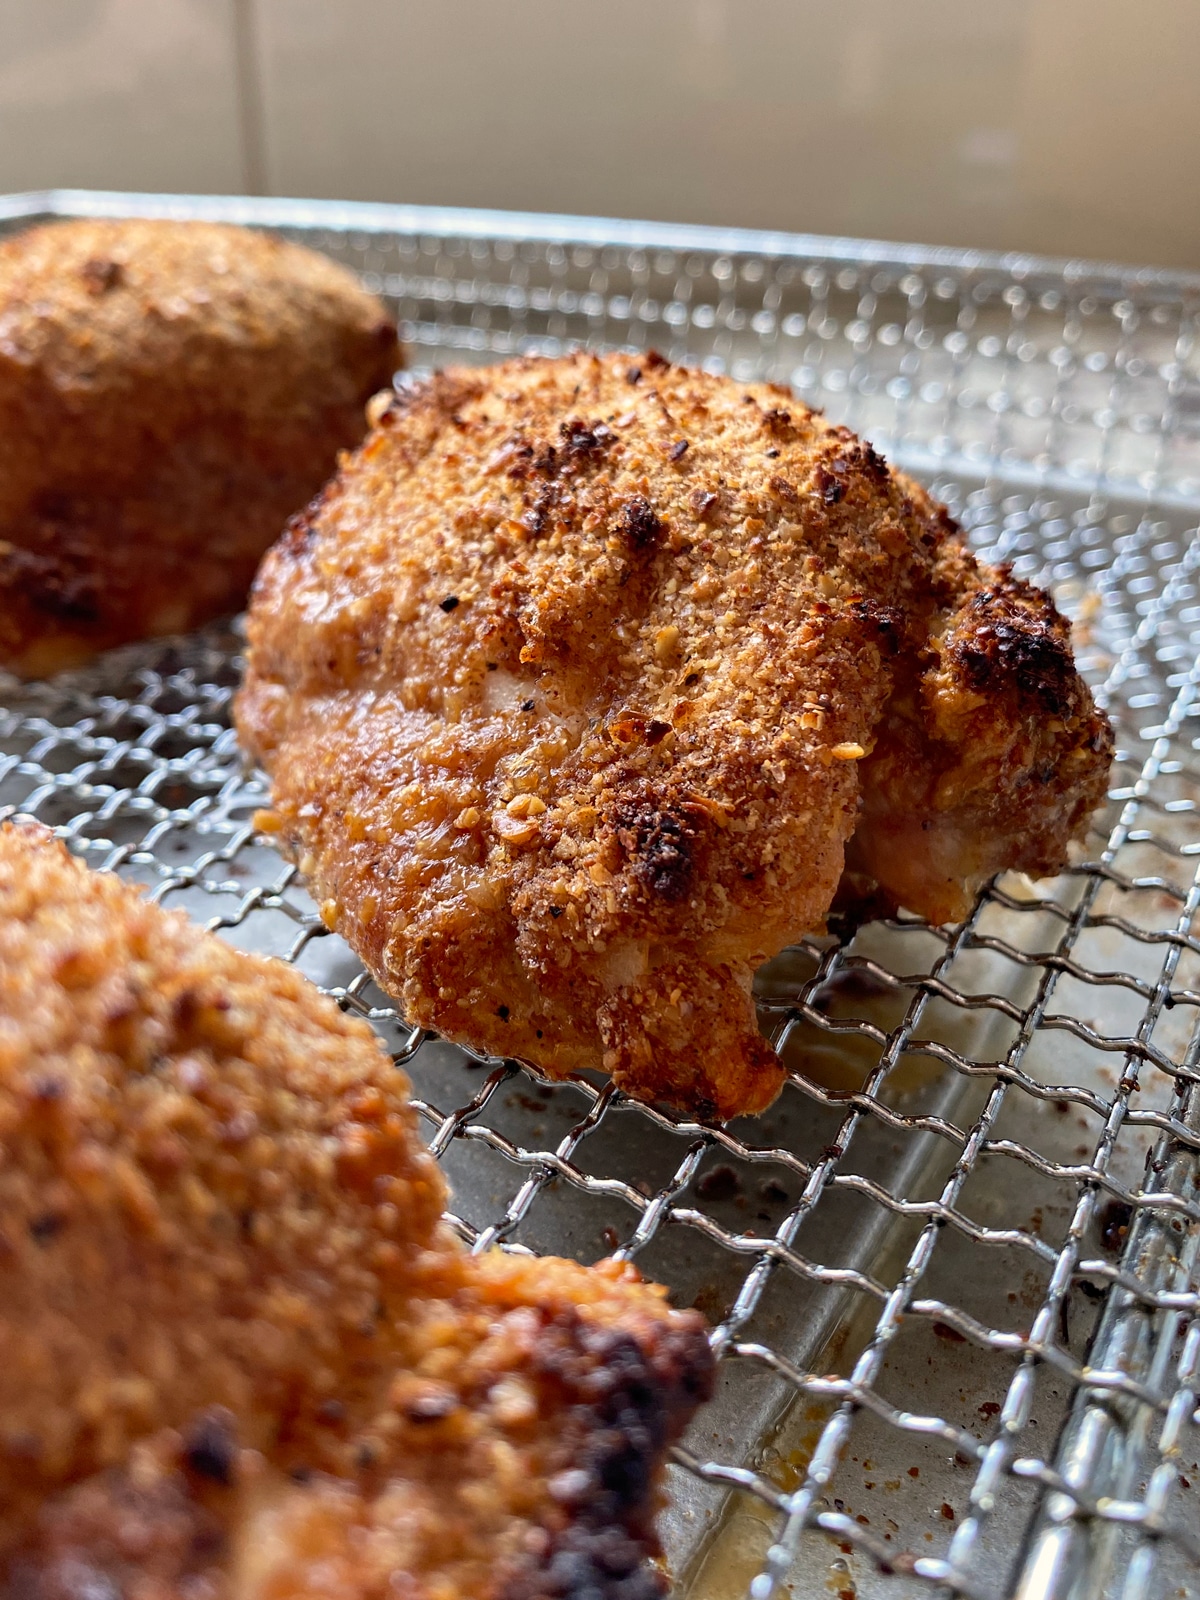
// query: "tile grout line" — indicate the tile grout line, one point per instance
point(247, 62)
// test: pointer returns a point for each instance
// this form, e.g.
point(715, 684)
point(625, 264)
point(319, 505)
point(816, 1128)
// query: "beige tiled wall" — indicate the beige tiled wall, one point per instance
point(138, 94)
point(1070, 126)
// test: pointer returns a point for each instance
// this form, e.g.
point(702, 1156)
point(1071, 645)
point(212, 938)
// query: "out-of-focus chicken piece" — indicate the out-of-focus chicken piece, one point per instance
point(170, 392)
point(239, 1349)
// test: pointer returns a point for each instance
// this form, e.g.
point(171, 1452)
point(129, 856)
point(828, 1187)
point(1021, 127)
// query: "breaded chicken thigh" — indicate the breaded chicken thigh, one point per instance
point(240, 1356)
point(569, 687)
point(170, 392)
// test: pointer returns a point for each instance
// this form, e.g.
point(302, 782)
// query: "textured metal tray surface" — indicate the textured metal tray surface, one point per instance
point(952, 1273)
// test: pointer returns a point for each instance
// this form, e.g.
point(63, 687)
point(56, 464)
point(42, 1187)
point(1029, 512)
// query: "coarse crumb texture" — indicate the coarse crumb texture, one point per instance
point(241, 1358)
point(170, 392)
point(576, 682)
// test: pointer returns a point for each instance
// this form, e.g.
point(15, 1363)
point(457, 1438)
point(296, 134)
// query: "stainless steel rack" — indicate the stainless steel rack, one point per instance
point(952, 1275)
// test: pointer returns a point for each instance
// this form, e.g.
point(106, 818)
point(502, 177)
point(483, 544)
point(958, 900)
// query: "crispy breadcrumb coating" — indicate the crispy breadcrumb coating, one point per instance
point(240, 1355)
point(991, 753)
point(571, 686)
point(170, 392)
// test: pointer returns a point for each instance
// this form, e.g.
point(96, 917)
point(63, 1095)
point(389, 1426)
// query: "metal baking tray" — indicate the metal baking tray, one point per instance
point(951, 1275)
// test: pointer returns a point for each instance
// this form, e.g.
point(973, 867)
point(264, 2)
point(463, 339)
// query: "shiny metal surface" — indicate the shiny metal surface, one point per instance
point(952, 1273)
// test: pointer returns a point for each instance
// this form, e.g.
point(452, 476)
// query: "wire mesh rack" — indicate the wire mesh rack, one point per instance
point(952, 1275)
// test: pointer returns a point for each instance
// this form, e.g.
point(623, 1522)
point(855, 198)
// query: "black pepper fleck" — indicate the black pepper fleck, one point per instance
point(44, 1228)
point(210, 1447)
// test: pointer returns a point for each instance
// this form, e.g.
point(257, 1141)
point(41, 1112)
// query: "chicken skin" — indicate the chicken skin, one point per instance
point(170, 392)
point(580, 677)
point(241, 1357)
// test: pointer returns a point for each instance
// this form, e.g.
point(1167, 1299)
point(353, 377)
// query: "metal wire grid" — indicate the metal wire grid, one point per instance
point(924, 1169)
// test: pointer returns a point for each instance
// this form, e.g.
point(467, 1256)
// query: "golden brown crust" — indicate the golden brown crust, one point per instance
point(170, 392)
point(236, 1334)
point(614, 705)
point(992, 754)
point(563, 688)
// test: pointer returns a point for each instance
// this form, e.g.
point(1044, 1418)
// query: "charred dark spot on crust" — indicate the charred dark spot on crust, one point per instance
point(1012, 636)
point(886, 623)
point(537, 518)
point(947, 526)
point(654, 362)
point(656, 731)
point(580, 444)
point(99, 275)
point(706, 504)
point(659, 848)
point(521, 465)
point(626, 1400)
point(447, 391)
point(299, 534)
point(503, 1013)
point(557, 911)
point(778, 422)
point(831, 476)
point(633, 375)
point(678, 450)
point(782, 489)
point(874, 463)
point(449, 604)
point(210, 1446)
point(185, 1008)
point(45, 1227)
point(585, 441)
point(640, 523)
point(300, 531)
